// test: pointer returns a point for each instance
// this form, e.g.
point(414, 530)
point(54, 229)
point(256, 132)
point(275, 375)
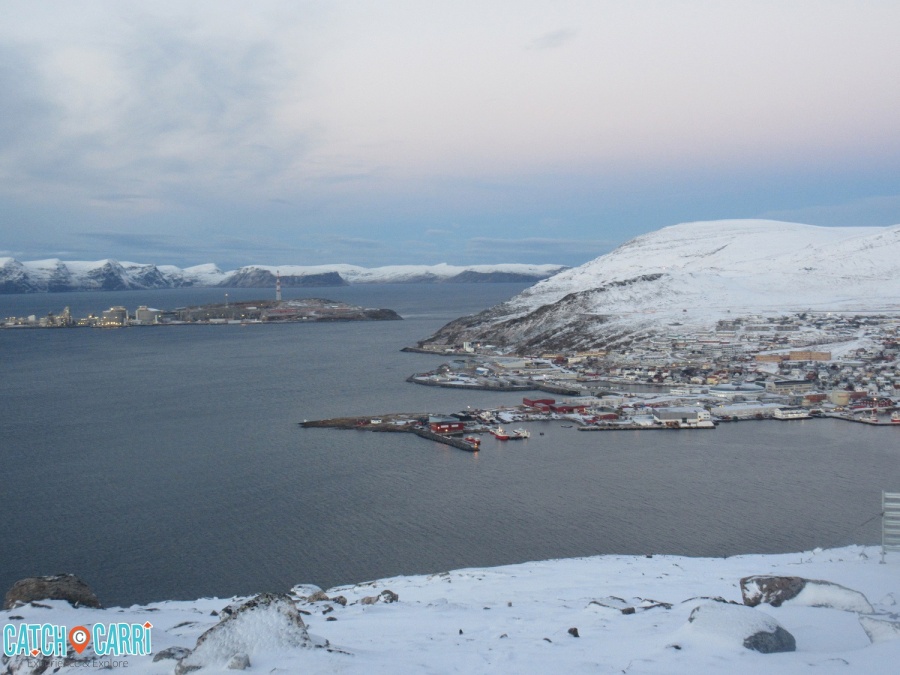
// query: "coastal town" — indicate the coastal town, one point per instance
point(244, 313)
point(799, 367)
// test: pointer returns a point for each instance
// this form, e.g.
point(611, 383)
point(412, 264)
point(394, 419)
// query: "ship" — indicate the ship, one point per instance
point(500, 434)
point(517, 435)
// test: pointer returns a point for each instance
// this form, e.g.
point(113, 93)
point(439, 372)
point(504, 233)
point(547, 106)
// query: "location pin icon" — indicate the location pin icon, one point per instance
point(79, 638)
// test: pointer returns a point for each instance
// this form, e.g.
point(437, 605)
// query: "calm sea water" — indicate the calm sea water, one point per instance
point(167, 462)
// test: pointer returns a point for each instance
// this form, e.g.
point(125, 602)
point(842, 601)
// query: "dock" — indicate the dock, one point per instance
point(395, 423)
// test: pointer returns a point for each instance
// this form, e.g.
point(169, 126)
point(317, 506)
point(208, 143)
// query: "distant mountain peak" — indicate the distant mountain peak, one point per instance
point(55, 275)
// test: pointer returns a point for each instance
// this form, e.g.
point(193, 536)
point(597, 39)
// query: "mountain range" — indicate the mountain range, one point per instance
point(111, 275)
point(692, 275)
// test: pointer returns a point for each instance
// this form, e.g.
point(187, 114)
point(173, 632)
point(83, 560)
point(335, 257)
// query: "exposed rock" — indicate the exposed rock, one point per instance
point(771, 590)
point(57, 587)
point(303, 591)
point(574, 632)
point(239, 662)
point(369, 600)
point(880, 629)
point(318, 596)
point(175, 653)
point(265, 623)
point(740, 625)
point(340, 600)
point(775, 590)
point(627, 607)
point(389, 596)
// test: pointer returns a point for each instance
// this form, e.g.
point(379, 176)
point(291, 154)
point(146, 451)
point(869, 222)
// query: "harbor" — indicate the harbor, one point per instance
point(463, 430)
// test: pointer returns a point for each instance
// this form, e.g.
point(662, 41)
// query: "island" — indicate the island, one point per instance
point(245, 312)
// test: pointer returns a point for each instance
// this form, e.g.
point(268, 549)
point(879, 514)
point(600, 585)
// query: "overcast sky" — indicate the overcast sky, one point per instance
point(423, 131)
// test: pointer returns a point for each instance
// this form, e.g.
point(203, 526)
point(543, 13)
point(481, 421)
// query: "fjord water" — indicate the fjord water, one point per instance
point(167, 462)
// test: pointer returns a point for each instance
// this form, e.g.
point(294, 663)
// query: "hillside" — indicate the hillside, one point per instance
point(692, 275)
point(604, 614)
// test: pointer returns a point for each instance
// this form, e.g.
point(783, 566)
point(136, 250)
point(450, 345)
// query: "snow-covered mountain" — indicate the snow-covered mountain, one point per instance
point(109, 275)
point(694, 274)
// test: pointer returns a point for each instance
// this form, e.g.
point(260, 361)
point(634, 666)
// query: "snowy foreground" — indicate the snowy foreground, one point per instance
point(517, 619)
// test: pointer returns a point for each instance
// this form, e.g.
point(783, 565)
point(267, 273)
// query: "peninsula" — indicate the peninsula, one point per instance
point(246, 312)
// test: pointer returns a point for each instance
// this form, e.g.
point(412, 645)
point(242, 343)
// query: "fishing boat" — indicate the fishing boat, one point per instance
point(895, 417)
point(500, 434)
point(474, 441)
point(518, 434)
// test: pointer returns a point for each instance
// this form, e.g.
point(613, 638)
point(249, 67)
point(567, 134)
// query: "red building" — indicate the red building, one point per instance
point(538, 402)
point(445, 425)
point(568, 408)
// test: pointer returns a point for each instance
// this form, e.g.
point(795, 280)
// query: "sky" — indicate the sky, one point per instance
point(407, 132)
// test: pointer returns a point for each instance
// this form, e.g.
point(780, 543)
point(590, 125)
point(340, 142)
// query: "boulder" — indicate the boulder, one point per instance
point(239, 662)
point(174, 653)
point(770, 590)
point(775, 590)
point(738, 625)
point(57, 587)
point(267, 622)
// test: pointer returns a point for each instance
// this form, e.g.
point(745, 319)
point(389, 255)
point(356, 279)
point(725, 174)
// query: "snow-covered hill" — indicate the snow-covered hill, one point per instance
point(694, 274)
point(604, 614)
point(109, 275)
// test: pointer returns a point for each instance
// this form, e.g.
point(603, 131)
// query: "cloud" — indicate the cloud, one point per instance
point(539, 249)
point(553, 39)
point(868, 211)
point(355, 242)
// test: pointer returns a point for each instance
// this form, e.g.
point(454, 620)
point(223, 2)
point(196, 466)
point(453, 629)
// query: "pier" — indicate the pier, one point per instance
point(408, 423)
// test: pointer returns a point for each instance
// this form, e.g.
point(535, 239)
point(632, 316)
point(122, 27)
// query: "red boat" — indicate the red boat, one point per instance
point(500, 434)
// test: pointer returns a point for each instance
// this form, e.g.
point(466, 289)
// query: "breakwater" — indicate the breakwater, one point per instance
point(394, 423)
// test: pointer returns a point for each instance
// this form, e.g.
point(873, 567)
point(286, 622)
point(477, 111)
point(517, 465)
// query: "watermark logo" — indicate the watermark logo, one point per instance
point(51, 640)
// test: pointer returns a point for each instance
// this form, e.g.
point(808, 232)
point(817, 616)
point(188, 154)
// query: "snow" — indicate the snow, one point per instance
point(38, 274)
point(405, 273)
point(697, 273)
point(751, 264)
point(817, 594)
point(517, 619)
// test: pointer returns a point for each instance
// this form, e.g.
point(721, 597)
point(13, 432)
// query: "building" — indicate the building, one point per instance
point(543, 403)
point(114, 316)
point(806, 355)
point(445, 425)
point(789, 386)
point(145, 316)
point(568, 408)
point(683, 415)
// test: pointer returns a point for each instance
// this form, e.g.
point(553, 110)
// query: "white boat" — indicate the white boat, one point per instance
point(520, 433)
point(895, 417)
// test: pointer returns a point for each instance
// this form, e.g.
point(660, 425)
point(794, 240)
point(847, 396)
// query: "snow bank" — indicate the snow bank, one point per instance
point(520, 619)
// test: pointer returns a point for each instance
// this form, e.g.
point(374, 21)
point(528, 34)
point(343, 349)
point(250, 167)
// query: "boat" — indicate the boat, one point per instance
point(474, 441)
point(500, 434)
point(519, 434)
point(895, 417)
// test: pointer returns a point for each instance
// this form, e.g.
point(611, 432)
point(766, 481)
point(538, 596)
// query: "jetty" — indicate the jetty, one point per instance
point(409, 423)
